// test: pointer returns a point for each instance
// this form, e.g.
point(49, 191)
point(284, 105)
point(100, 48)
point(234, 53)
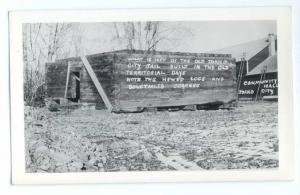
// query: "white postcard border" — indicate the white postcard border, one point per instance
point(286, 140)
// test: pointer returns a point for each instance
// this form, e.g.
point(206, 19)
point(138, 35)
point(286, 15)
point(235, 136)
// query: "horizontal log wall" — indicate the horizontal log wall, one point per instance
point(56, 75)
point(137, 79)
point(146, 80)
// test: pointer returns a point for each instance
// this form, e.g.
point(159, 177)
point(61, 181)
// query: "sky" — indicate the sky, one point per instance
point(202, 36)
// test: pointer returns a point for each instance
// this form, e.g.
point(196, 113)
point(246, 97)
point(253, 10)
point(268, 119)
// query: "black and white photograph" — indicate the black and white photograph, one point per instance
point(150, 96)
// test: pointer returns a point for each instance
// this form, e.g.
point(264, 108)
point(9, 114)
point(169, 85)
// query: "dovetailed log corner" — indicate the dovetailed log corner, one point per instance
point(133, 80)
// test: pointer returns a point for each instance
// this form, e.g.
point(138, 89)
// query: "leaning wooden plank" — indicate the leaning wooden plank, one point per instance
point(96, 82)
point(67, 81)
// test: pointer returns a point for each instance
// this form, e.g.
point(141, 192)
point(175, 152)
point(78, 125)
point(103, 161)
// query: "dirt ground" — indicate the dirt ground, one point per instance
point(86, 139)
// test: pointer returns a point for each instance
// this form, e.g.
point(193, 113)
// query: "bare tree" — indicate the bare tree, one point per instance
point(144, 35)
point(76, 40)
point(41, 43)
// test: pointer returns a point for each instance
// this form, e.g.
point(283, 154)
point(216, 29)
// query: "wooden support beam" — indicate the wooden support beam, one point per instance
point(96, 82)
point(67, 81)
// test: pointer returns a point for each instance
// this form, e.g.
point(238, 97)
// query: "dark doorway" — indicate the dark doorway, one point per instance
point(75, 87)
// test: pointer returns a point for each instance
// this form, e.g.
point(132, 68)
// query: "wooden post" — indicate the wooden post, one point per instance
point(67, 81)
point(96, 82)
